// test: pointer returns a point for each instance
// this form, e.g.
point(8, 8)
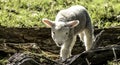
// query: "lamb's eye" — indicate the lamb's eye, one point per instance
point(53, 32)
point(66, 33)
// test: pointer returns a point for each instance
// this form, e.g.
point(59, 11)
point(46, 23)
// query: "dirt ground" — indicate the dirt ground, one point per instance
point(13, 40)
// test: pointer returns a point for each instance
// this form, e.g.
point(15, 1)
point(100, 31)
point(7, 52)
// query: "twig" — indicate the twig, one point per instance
point(96, 40)
point(115, 56)
point(114, 53)
point(88, 61)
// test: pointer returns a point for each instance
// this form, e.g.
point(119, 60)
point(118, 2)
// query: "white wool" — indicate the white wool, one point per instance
point(58, 25)
point(83, 29)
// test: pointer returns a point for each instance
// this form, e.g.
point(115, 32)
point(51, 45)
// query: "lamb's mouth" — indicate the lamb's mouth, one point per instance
point(59, 44)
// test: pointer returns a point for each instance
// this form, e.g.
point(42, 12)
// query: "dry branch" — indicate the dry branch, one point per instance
point(97, 56)
point(42, 37)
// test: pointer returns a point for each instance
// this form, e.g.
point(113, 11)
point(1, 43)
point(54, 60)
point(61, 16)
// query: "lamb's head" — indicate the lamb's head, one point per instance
point(61, 31)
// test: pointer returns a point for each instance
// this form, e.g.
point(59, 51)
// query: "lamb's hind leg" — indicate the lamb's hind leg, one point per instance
point(81, 35)
point(88, 39)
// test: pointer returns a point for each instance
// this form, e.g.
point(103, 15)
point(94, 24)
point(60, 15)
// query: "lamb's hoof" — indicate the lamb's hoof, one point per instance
point(60, 60)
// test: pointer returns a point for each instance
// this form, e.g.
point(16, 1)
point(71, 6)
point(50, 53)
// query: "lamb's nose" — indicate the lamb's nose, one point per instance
point(59, 44)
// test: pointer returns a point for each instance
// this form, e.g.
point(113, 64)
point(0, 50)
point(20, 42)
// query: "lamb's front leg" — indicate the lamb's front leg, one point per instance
point(64, 53)
point(66, 48)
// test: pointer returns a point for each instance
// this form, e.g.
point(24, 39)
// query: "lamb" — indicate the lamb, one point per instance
point(68, 24)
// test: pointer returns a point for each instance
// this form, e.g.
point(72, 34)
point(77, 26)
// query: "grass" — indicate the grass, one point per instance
point(3, 61)
point(29, 13)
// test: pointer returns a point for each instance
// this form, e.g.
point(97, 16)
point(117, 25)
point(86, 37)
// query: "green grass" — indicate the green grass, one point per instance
point(113, 63)
point(29, 13)
point(3, 61)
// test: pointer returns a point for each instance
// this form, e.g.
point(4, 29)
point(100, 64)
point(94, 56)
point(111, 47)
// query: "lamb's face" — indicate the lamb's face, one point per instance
point(60, 33)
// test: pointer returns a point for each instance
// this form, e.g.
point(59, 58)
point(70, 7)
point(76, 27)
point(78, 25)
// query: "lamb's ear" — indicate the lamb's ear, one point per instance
point(73, 23)
point(48, 22)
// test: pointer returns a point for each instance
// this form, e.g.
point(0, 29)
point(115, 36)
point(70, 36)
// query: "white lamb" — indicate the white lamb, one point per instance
point(68, 24)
